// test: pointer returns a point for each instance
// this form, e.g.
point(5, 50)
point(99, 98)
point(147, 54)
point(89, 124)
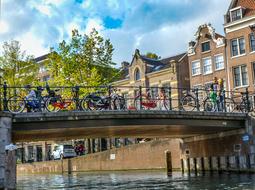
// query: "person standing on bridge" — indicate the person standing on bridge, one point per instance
point(213, 93)
point(31, 97)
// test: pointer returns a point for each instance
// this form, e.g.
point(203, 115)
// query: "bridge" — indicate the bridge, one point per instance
point(72, 125)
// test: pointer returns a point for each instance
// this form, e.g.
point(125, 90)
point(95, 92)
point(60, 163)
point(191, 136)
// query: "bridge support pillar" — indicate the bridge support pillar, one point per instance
point(7, 157)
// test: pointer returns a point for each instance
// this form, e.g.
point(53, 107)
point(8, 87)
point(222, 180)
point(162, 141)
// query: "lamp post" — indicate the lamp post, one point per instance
point(1, 84)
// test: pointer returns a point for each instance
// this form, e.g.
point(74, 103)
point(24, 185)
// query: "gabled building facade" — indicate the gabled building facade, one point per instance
point(239, 28)
point(207, 57)
point(146, 72)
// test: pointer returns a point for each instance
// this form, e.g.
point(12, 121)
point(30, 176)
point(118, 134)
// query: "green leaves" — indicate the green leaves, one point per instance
point(85, 60)
point(19, 69)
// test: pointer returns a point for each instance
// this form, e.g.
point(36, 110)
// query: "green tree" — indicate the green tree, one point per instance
point(152, 55)
point(85, 60)
point(19, 69)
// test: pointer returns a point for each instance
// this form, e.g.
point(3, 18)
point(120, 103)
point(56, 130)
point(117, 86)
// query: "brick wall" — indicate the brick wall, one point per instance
point(150, 155)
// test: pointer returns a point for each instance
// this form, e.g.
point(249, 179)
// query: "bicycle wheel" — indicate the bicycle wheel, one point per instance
point(188, 103)
point(209, 105)
point(166, 105)
point(16, 104)
point(229, 105)
point(85, 104)
point(51, 104)
point(119, 103)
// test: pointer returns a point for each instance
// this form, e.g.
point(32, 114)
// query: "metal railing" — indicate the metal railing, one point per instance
point(94, 98)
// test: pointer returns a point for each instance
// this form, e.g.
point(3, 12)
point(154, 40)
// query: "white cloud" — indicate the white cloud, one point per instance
point(150, 25)
point(94, 23)
point(32, 44)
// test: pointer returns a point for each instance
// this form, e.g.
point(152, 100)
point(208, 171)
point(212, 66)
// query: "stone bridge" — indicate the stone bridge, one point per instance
point(73, 125)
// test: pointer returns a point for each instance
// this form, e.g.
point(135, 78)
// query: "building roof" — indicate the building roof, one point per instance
point(41, 58)
point(153, 65)
point(249, 6)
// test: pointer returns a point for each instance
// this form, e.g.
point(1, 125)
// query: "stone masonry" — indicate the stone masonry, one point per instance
point(7, 172)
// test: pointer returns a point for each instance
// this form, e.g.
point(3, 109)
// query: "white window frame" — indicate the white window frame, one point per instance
point(204, 66)
point(241, 77)
point(199, 73)
point(238, 47)
point(234, 9)
point(221, 54)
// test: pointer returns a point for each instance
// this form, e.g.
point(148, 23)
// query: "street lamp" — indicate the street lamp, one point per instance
point(1, 84)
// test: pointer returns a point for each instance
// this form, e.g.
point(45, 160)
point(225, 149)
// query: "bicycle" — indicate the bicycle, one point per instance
point(191, 101)
point(161, 101)
point(94, 101)
point(17, 104)
point(55, 102)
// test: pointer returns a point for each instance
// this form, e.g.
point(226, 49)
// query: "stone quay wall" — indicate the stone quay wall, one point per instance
point(7, 158)
point(143, 156)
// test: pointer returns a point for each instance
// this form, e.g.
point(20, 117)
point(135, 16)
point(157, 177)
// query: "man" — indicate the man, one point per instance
point(31, 98)
point(213, 93)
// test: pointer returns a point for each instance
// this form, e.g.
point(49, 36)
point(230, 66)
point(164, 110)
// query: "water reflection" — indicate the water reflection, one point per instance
point(136, 180)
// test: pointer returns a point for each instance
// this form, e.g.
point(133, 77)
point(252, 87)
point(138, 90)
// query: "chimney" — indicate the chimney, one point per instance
point(124, 65)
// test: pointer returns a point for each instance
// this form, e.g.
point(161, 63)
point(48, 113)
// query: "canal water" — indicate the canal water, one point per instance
point(136, 180)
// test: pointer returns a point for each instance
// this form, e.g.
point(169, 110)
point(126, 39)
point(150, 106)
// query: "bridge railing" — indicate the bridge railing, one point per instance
point(90, 98)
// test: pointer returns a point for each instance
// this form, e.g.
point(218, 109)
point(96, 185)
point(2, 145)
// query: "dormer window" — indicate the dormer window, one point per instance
point(137, 74)
point(236, 14)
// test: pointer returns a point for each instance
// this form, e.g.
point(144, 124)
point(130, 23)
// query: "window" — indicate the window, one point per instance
point(205, 46)
point(46, 78)
point(240, 76)
point(207, 62)
point(238, 46)
point(137, 74)
point(195, 68)
point(252, 42)
point(219, 62)
point(236, 15)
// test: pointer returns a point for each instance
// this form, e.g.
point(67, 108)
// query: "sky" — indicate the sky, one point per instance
point(163, 27)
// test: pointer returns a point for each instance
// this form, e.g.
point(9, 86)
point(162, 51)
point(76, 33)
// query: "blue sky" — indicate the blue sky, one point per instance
point(161, 26)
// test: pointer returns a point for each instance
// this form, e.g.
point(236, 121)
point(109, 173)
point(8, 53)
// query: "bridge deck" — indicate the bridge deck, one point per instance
point(72, 125)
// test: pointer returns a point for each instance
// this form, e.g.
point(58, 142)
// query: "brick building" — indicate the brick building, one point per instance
point(146, 72)
point(207, 57)
point(239, 29)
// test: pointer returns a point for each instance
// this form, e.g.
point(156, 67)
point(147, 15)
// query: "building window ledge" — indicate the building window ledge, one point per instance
point(252, 52)
point(207, 73)
point(206, 52)
point(220, 69)
point(238, 56)
point(238, 87)
point(196, 75)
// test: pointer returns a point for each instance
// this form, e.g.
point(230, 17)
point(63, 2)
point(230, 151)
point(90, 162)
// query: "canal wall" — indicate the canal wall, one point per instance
point(143, 156)
point(7, 156)
point(229, 151)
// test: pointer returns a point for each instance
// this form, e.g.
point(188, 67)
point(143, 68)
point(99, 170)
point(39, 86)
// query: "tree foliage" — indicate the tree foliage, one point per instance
point(85, 60)
point(152, 55)
point(19, 69)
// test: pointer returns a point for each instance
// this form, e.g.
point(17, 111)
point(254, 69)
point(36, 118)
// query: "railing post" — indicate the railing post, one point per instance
point(197, 100)
point(109, 95)
point(5, 96)
point(140, 96)
point(76, 97)
point(170, 97)
point(224, 101)
point(247, 100)
point(39, 93)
